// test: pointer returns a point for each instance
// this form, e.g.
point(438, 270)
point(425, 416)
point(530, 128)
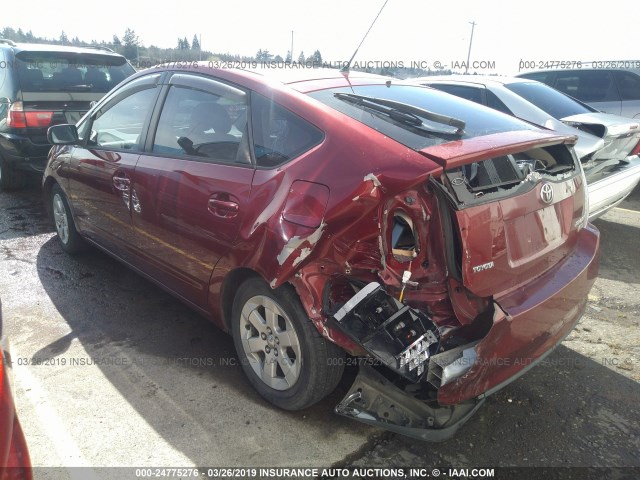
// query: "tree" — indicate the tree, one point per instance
point(195, 43)
point(116, 41)
point(131, 43)
point(9, 33)
point(185, 43)
point(288, 57)
point(264, 55)
point(316, 58)
point(301, 57)
point(64, 40)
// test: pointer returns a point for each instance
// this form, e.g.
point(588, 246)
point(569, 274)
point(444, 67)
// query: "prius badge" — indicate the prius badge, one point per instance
point(546, 193)
point(484, 266)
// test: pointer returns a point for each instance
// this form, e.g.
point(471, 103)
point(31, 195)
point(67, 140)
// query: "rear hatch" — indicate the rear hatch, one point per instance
point(511, 204)
point(58, 87)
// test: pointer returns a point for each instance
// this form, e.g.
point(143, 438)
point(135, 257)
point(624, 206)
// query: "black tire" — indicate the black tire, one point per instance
point(10, 178)
point(69, 238)
point(318, 362)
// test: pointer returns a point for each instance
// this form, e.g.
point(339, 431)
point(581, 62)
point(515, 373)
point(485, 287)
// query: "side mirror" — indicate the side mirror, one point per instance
point(62, 134)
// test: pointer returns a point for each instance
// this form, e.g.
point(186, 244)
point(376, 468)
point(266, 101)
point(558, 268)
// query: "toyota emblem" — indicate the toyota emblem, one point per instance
point(546, 193)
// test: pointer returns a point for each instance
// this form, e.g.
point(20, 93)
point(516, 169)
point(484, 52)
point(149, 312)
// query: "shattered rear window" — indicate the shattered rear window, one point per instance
point(479, 120)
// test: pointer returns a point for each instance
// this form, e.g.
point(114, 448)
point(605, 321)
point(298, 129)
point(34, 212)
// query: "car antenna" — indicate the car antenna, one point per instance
point(346, 67)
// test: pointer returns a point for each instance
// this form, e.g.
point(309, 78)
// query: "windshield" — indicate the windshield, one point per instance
point(556, 104)
point(71, 72)
point(478, 120)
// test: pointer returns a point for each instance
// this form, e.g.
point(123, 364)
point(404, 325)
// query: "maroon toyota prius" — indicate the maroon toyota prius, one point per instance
point(313, 214)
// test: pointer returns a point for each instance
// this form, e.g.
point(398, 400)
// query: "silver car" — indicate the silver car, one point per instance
point(610, 91)
point(607, 145)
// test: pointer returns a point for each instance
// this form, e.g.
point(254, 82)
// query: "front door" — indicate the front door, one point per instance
point(101, 168)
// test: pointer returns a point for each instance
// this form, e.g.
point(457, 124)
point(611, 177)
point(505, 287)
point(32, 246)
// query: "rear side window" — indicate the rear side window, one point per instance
point(71, 72)
point(278, 134)
point(470, 93)
point(119, 127)
point(628, 85)
point(547, 99)
point(3, 75)
point(204, 125)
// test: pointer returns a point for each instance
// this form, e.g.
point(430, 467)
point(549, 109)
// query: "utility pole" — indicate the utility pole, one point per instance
point(291, 46)
point(473, 25)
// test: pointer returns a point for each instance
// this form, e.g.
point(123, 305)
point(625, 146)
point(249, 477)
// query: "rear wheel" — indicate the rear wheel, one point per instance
point(10, 178)
point(70, 240)
point(285, 358)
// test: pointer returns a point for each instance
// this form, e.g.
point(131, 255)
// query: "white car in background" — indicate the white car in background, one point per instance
point(608, 145)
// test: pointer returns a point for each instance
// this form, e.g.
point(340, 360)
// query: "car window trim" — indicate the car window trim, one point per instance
point(114, 101)
point(214, 88)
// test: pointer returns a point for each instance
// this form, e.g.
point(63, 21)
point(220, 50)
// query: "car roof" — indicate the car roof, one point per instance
point(586, 69)
point(473, 79)
point(303, 80)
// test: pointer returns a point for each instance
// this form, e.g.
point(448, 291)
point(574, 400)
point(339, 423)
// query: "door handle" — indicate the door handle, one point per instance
point(122, 183)
point(223, 208)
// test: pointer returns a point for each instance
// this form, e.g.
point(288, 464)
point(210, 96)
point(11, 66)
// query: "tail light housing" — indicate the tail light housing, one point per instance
point(636, 150)
point(17, 117)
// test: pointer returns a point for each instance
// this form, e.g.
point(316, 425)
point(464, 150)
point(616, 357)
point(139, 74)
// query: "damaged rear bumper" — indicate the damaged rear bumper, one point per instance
point(529, 322)
point(374, 400)
point(527, 325)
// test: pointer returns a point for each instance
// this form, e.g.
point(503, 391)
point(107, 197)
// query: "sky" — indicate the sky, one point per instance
point(508, 35)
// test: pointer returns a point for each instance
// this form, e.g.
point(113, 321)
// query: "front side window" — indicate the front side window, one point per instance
point(120, 126)
point(278, 134)
point(204, 125)
point(588, 86)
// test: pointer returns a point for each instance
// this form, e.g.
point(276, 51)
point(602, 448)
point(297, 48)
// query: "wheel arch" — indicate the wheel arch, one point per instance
point(47, 186)
point(228, 290)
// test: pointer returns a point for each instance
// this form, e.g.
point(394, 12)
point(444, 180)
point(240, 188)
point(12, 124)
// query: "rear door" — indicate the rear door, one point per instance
point(629, 88)
point(191, 188)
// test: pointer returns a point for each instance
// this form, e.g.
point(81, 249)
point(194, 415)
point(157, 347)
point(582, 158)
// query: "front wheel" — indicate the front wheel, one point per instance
point(70, 240)
point(284, 357)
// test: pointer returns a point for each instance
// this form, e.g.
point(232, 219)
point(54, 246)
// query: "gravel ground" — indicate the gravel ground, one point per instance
point(128, 376)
